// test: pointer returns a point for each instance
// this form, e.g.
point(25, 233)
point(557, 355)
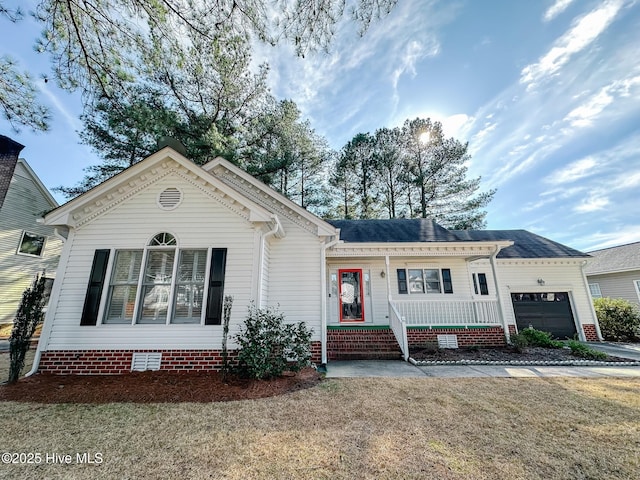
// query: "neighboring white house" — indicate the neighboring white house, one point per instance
point(615, 272)
point(27, 247)
point(152, 252)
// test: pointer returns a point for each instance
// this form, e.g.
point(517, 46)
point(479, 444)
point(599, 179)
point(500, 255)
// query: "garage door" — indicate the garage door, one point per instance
point(549, 312)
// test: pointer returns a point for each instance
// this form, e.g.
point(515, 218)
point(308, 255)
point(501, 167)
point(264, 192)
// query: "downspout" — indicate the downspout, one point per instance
point(323, 301)
point(593, 310)
point(494, 270)
point(263, 241)
point(44, 335)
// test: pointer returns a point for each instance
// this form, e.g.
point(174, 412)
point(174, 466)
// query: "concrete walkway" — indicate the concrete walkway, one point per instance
point(393, 368)
point(390, 368)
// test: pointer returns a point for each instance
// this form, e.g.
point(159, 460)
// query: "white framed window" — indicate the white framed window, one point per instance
point(637, 284)
point(480, 285)
point(416, 281)
point(594, 288)
point(163, 284)
point(31, 244)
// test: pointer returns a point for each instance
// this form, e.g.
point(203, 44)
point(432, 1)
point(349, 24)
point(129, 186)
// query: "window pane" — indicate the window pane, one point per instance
point(484, 287)
point(595, 290)
point(190, 286)
point(123, 287)
point(159, 268)
point(402, 280)
point(432, 277)
point(31, 244)
point(155, 302)
point(416, 282)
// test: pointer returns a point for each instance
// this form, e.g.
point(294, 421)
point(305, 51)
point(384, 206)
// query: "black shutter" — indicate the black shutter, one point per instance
point(402, 280)
point(482, 280)
point(446, 280)
point(94, 290)
point(216, 286)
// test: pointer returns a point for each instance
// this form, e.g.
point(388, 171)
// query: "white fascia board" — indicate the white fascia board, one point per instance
point(425, 246)
point(324, 228)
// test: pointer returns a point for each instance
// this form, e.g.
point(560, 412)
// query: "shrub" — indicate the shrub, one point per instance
point(538, 338)
point(519, 342)
point(619, 319)
point(584, 351)
point(269, 346)
point(28, 317)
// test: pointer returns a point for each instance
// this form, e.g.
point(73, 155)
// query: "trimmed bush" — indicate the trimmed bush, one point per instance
point(28, 317)
point(538, 338)
point(584, 351)
point(619, 319)
point(269, 346)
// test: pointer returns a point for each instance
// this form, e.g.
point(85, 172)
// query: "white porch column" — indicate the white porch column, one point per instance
point(494, 271)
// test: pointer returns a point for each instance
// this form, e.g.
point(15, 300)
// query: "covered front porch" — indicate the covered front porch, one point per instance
point(383, 299)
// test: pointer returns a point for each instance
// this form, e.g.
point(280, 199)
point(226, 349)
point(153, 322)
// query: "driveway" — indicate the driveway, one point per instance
point(626, 350)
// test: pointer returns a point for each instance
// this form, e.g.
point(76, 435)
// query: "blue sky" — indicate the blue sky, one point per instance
point(546, 92)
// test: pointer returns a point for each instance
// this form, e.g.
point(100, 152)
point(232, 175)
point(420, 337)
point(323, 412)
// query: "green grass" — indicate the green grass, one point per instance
point(555, 428)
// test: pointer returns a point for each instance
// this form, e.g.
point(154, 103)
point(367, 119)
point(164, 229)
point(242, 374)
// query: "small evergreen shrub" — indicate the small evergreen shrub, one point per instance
point(538, 338)
point(584, 351)
point(519, 342)
point(28, 317)
point(619, 319)
point(226, 318)
point(269, 346)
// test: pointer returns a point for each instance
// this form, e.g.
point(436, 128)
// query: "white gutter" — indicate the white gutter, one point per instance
point(323, 293)
point(494, 270)
point(593, 310)
point(270, 233)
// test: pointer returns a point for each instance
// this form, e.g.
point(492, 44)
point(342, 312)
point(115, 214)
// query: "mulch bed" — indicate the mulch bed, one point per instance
point(502, 354)
point(152, 387)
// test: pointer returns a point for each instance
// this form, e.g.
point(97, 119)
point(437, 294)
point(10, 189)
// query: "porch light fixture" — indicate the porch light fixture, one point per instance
point(382, 274)
point(540, 281)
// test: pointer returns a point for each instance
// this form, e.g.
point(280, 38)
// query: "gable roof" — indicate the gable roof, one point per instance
point(525, 244)
point(115, 189)
point(614, 259)
point(323, 228)
point(393, 230)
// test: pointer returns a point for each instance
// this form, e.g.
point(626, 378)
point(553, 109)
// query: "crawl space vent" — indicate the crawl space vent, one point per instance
point(169, 198)
point(146, 361)
point(447, 341)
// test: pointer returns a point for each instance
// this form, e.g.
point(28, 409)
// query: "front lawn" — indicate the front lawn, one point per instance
point(477, 428)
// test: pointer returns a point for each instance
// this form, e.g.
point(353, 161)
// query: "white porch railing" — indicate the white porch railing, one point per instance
point(447, 312)
point(399, 328)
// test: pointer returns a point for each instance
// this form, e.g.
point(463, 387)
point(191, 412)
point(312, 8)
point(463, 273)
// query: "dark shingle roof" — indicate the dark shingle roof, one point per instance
point(614, 259)
point(526, 244)
point(393, 230)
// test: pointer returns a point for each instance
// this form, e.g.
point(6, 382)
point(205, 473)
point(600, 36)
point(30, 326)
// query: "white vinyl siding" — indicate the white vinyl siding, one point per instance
point(199, 222)
point(618, 285)
point(23, 204)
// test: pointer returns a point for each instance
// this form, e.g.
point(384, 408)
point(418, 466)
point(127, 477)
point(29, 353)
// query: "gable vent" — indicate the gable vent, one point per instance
point(447, 341)
point(146, 361)
point(169, 198)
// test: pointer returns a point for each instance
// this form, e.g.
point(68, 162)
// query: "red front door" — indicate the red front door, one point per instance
point(350, 295)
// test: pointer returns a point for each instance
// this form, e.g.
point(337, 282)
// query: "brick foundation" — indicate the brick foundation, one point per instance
point(590, 333)
point(111, 362)
point(484, 336)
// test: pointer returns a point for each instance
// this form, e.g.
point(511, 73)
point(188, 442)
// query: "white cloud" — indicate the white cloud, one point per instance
point(583, 33)
point(556, 9)
point(584, 115)
point(413, 52)
point(572, 172)
point(592, 204)
point(599, 240)
point(73, 122)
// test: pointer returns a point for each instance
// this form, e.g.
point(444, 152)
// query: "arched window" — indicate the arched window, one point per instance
point(163, 239)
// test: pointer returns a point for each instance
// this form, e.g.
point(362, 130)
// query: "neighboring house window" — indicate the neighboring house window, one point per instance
point(594, 288)
point(637, 284)
point(424, 280)
point(31, 244)
point(480, 279)
point(163, 284)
